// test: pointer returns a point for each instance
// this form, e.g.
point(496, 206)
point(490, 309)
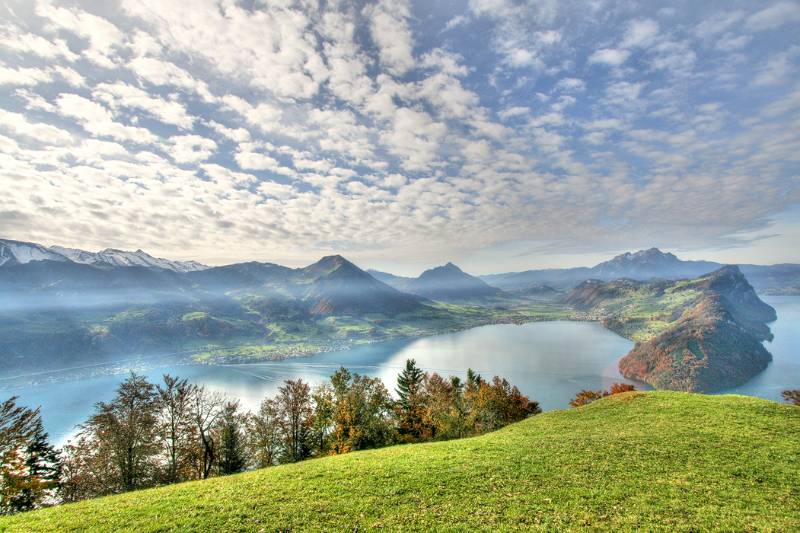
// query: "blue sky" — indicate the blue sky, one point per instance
point(498, 134)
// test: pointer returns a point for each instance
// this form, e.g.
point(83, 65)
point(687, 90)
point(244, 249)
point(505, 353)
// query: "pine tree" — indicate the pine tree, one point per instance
point(232, 457)
point(410, 402)
point(43, 470)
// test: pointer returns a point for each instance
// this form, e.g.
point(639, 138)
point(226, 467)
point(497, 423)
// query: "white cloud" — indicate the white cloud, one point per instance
point(159, 72)
point(102, 35)
point(774, 16)
point(99, 121)
point(123, 95)
point(390, 31)
point(191, 148)
point(14, 38)
point(18, 124)
point(640, 33)
point(23, 76)
point(609, 56)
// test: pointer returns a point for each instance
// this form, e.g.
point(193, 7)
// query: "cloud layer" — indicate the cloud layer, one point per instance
point(394, 130)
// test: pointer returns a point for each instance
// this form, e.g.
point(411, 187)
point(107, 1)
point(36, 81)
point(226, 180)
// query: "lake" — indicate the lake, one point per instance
point(548, 361)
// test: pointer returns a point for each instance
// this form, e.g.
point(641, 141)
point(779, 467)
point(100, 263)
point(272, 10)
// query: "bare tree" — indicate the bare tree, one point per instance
point(206, 410)
point(175, 398)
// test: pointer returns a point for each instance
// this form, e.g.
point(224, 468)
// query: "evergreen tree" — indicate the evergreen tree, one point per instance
point(232, 453)
point(410, 404)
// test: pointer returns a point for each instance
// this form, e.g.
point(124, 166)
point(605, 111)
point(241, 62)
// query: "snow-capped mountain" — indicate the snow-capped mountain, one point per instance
point(18, 252)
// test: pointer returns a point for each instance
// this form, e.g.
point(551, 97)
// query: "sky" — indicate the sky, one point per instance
point(498, 134)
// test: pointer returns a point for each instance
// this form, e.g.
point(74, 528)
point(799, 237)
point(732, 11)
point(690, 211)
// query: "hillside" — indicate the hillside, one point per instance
point(697, 335)
point(655, 461)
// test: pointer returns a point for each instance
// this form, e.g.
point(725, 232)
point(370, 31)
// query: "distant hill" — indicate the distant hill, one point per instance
point(696, 335)
point(648, 265)
point(654, 461)
point(445, 283)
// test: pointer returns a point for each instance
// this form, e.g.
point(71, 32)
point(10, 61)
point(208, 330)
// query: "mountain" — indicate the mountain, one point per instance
point(19, 252)
point(445, 283)
point(648, 265)
point(703, 334)
point(339, 287)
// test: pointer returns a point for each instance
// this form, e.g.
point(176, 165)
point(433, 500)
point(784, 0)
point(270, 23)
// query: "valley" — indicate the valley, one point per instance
point(691, 334)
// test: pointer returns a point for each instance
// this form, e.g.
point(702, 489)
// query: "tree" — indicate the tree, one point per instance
point(265, 432)
point(322, 420)
point(175, 399)
point(206, 409)
point(126, 428)
point(362, 415)
point(295, 409)
point(30, 468)
point(792, 396)
point(411, 401)
point(232, 450)
point(586, 397)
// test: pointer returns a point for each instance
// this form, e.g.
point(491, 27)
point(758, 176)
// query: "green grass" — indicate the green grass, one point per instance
point(652, 461)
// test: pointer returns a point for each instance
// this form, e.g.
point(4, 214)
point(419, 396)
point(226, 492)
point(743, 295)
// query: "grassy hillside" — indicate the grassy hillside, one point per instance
point(657, 460)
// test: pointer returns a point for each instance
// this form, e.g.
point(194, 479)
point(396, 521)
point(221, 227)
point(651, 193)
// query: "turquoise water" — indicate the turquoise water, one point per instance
point(548, 361)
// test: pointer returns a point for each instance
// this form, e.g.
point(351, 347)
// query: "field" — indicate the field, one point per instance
point(655, 461)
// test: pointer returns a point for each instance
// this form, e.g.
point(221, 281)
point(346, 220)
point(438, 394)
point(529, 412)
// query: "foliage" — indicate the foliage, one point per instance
point(30, 467)
point(586, 397)
point(792, 396)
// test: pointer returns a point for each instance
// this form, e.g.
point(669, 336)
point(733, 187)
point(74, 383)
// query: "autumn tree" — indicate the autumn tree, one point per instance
point(322, 420)
point(586, 397)
point(124, 431)
point(295, 410)
point(265, 435)
point(362, 415)
point(791, 396)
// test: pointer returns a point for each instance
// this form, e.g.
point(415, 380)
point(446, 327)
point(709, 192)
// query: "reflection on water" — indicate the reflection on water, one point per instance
point(549, 361)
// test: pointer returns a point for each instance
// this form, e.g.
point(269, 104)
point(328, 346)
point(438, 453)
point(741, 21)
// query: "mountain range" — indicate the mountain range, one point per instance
point(647, 265)
point(20, 253)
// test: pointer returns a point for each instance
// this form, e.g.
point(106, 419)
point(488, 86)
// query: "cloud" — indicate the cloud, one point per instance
point(191, 148)
point(390, 31)
point(145, 124)
point(609, 56)
point(98, 121)
point(23, 76)
point(102, 35)
point(18, 124)
point(774, 16)
point(640, 33)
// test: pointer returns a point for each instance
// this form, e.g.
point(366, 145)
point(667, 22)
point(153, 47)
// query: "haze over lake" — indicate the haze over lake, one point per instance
point(549, 361)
